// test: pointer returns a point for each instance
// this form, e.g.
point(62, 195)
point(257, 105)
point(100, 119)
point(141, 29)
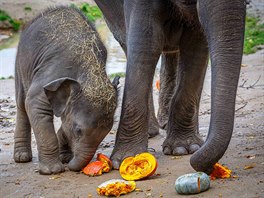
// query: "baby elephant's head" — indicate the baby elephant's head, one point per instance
point(86, 119)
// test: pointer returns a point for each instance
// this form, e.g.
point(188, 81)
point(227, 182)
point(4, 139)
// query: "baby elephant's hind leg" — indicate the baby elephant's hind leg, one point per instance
point(22, 137)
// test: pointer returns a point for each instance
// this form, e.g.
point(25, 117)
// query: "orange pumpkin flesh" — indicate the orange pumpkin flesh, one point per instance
point(141, 166)
point(158, 84)
point(102, 165)
point(101, 157)
point(220, 171)
point(94, 168)
point(116, 187)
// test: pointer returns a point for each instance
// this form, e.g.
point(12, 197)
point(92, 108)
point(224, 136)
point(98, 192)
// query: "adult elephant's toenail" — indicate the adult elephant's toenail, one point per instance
point(180, 151)
point(193, 148)
point(167, 150)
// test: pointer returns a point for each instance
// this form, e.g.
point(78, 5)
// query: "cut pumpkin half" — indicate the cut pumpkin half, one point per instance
point(141, 166)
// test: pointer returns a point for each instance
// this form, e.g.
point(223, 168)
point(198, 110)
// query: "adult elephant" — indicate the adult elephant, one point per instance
point(185, 32)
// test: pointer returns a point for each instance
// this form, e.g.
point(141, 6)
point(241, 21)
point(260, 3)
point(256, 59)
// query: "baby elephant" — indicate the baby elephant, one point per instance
point(60, 70)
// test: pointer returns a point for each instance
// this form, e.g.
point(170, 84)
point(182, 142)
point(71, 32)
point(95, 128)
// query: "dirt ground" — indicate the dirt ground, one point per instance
point(246, 149)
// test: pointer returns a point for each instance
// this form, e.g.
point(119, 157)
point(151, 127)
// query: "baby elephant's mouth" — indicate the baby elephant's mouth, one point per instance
point(80, 160)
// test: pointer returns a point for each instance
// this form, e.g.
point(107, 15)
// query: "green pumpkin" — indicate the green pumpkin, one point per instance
point(192, 183)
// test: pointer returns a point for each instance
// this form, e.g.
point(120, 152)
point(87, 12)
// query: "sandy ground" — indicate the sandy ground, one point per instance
point(246, 148)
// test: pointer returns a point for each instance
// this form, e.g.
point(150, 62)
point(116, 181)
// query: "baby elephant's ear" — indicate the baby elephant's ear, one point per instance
point(59, 91)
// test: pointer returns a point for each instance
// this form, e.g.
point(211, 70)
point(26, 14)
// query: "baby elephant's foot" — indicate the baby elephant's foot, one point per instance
point(163, 121)
point(22, 154)
point(153, 129)
point(48, 168)
point(182, 146)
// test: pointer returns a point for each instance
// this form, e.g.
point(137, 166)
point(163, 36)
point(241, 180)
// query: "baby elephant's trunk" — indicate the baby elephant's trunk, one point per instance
point(81, 158)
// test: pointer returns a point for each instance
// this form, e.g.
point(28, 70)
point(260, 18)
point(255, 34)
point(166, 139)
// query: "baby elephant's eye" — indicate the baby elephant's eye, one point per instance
point(78, 132)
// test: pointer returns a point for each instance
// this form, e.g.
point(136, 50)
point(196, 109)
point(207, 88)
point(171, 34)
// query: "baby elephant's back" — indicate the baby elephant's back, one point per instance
point(59, 37)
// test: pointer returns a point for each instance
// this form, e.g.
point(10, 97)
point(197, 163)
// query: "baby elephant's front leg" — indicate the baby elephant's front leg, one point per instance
point(41, 118)
point(65, 151)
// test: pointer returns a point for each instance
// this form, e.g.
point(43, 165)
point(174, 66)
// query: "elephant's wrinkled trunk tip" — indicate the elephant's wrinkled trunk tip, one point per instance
point(200, 164)
point(206, 157)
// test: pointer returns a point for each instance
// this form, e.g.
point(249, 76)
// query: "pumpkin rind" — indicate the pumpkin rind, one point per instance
point(192, 183)
point(141, 166)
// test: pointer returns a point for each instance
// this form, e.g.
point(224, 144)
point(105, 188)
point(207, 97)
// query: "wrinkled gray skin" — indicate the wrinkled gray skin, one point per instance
point(117, 27)
point(60, 70)
point(185, 33)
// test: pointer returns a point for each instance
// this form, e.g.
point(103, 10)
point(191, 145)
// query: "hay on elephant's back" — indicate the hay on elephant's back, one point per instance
point(86, 50)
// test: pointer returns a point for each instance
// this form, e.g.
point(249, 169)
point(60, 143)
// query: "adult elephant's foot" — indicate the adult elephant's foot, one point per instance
point(51, 167)
point(122, 151)
point(22, 154)
point(182, 145)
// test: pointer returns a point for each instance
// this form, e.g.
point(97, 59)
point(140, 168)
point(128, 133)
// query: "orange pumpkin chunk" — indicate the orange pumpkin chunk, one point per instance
point(220, 171)
point(94, 168)
point(102, 165)
point(141, 166)
point(158, 84)
point(108, 164)
point(116, 187)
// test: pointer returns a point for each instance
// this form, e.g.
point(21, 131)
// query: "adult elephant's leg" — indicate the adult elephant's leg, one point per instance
point(169, 62)
point(143, 51)
point(223, 22)
point(113, 12)
point(182, 133)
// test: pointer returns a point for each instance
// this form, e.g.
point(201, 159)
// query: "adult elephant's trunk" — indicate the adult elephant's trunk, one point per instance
point(223, 22)
point(82, 156)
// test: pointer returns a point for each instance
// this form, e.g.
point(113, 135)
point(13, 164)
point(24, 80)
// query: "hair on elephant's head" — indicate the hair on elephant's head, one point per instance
point(86, 119)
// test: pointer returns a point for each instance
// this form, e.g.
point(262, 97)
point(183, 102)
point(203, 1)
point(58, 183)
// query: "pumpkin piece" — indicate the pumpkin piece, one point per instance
point(102, 165)
point(103, 158)
point(94, 168)
point(220, 171)
point(141, 166)
point(192, 183)
point(158, 84)
point(116, 187)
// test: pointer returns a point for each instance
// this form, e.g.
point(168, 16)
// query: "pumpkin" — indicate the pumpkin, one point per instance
point(94, 168)
point(116, 187)
point(102, 165)
point(158, 84)
point(220, 171)
point(107, 162)
point(141, 166)
point(192, 183)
